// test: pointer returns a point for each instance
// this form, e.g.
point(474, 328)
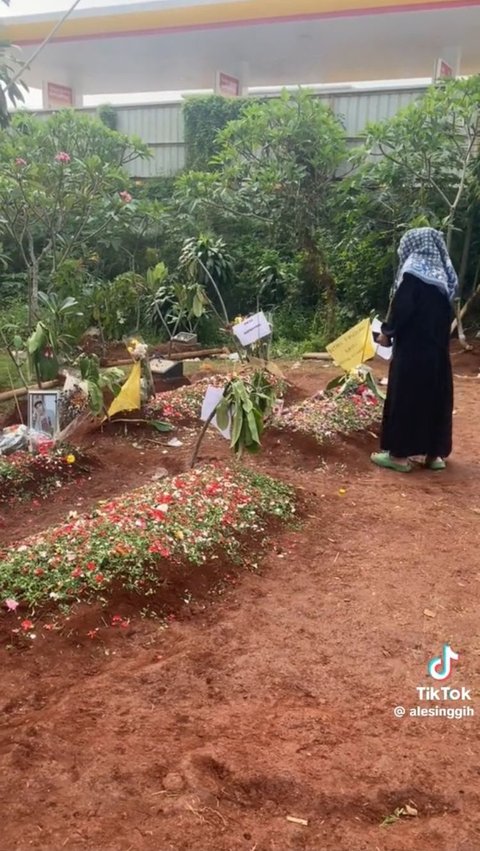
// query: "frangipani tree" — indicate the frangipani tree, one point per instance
point(10, 86)
point(422, 167)
point(63, 185)
point(276, 173)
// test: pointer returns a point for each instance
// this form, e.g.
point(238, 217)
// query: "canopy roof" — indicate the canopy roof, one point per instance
point(180, 44)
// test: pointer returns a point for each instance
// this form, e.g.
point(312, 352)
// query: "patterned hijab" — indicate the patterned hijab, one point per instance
point(422, 252)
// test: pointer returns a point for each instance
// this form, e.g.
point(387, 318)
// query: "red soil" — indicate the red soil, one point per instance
point(272, 695)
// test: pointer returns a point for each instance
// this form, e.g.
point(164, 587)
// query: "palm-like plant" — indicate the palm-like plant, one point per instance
point(10, 90)
point(206, 262)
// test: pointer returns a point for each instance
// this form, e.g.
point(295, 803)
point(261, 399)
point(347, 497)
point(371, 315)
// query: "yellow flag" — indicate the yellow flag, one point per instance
point(354, 347)
point(129, 397)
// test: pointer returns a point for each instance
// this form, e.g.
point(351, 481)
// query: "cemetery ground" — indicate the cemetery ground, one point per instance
point(258, 714)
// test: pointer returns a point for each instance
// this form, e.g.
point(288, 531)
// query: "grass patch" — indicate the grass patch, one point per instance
point(8, 373)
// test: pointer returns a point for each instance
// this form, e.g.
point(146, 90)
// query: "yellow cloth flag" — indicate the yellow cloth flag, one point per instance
point(129, 398)
point(354, 347)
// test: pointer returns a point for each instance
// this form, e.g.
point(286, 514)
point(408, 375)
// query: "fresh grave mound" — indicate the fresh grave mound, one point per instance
point(132, 541)
point(185, 403)
point(24, 476)
point(354, 408)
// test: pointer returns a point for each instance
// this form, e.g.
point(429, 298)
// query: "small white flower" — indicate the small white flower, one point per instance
point(163, 507)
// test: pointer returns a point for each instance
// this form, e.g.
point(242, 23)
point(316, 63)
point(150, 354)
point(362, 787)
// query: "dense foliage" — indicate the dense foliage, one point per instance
point(421, 168)
point(63, 190)
point(204, 117)
point(270, 194)
point(272, 212)
point(11, 86)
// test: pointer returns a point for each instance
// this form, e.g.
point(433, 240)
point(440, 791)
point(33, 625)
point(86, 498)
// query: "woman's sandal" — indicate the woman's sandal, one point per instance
point(383, 459)
point(435, 464)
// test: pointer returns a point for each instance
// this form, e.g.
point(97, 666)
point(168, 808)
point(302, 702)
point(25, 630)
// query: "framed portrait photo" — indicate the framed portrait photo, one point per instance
point(43, 411)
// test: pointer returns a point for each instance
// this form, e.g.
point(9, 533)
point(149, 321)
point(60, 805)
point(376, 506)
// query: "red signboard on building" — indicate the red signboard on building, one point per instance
point(227, 85)
point(444, 71)
point(59, 97)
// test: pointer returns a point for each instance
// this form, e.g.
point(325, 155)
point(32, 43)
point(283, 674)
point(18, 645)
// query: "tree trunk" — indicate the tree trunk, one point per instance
point(465, 254)
point(322, 280)
point(469, 301)
point(33, 294)
point(459, 324)
point(459, 311)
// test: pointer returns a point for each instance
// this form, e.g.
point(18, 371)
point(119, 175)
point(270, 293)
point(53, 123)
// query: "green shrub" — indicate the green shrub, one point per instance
point(204, 117)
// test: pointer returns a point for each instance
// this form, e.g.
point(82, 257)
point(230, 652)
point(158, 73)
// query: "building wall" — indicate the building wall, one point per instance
point(161, 125)
point(357, 109)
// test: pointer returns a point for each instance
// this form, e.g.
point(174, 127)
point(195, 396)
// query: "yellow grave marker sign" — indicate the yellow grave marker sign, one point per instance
point(129, 398)
point(354, 347)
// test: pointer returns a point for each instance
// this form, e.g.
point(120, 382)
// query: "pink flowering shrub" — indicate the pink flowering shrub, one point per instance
point(63, 158)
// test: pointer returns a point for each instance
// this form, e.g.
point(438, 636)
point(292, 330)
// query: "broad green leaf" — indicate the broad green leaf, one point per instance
point(69, 303)
point(237, 424)
point(96, 397)
point(252, 425)
point(198, 309)
point(47, 367)
point(223, 415)
point(336, 382)
point(38, 340)
point(158, 425)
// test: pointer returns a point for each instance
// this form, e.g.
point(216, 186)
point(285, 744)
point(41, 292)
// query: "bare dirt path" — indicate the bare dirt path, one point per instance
point(278, 699)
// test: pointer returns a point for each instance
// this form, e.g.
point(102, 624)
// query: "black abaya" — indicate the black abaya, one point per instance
point(417, 418)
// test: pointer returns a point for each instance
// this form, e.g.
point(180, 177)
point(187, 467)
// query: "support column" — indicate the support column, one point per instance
point(244, 78)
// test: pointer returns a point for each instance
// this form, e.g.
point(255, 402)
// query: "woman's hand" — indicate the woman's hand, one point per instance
point(382, 340)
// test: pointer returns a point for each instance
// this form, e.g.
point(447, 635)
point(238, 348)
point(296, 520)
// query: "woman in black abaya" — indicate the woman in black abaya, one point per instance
point(418, 410)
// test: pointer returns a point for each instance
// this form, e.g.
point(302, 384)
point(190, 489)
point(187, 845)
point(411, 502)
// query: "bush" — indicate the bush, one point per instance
point(204, 117)
point(63, 185)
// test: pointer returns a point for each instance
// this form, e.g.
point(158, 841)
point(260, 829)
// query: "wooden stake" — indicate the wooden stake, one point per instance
point(16, 398)
point(201, 436)
point(23, 391)
point(177, 356)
